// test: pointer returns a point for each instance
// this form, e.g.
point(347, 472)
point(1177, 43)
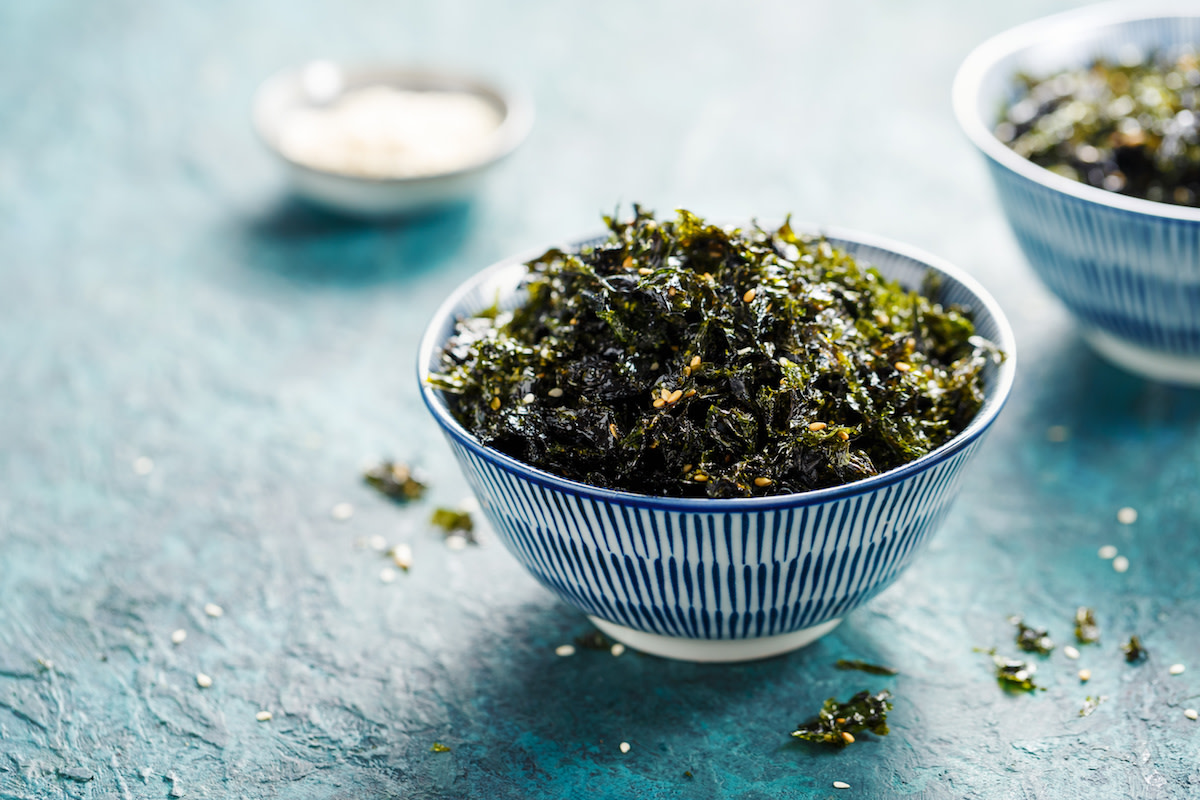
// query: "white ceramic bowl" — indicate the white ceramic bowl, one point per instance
point(321, 83)
point(707, 579)
point(1128, 269)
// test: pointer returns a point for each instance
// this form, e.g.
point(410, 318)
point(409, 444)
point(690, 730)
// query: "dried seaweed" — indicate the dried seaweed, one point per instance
point(681, 358)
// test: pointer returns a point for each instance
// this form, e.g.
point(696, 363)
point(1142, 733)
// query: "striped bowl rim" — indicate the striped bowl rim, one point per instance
point(1058, 30)
point(995, 394)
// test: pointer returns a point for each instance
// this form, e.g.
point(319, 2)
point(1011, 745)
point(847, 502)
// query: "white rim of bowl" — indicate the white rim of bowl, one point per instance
point(1069, 24)
point(509, 134)
point(996, 396)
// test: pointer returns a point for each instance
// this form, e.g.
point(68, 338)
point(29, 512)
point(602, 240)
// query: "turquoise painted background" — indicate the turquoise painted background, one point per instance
point(162, 297)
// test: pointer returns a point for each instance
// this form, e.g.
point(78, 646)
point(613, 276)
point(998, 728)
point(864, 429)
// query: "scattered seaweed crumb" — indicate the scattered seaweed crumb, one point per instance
point(438, 747)
point(395, 480)
point(1013, 674)
point(1090, 704)
point(1086, 629)
point(1135, 653)
point(1032, 640)
point(864, 666)
point(455, 522)
point(836, 723)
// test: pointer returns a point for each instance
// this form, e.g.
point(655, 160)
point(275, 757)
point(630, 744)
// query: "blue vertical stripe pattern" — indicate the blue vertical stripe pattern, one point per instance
point(719, 569)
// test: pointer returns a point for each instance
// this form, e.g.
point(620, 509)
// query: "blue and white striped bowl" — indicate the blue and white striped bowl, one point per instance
point(1128, 269)
point(718, 580)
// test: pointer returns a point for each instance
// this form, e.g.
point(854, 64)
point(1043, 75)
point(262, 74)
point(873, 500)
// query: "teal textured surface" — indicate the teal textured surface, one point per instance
point(161, 298)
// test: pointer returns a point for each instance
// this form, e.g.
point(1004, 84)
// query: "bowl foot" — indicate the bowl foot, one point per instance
point(1147, 363)
point(714, 650)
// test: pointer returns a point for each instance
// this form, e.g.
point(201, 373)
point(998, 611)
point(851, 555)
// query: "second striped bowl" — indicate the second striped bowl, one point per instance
point(719, 580)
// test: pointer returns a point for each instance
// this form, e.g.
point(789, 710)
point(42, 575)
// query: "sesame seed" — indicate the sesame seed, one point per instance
point(529, 398)
point(1191, 713)
point(670, 291)
point(687, 371)
point(624, 747)
point(263, 716)
point(617, 649)
point(387, 575)
point(654, 367)
point(573, 321)
point(690, 393)
point(882, 318)
point(627, 263)
point(749, 296)
point(1107, 552)
point(695, 362)
point(203, 681)
point(902, 366)
point(1058, 433)
point(342, 512)
point(1070, 652)
point(612, 428)
point(456, 542)
point(377, 543)
point(700, 477)
point(675, 395)
point(402, 556)
point(783, 362)
point(1085, 675)
point(1176, 669)
point(178, 636)
point(555, 392)
point(213, 610)
point(565, 650)
point(644, 271)
point(659, 402)
point(1120, 563)
point(841, 785)
point(762, 481)
point(665, 393)
point(843, 436)
point(143, 465)
point(817, 426)
point(849, 737)
point(1127, 515)
point(495, 404)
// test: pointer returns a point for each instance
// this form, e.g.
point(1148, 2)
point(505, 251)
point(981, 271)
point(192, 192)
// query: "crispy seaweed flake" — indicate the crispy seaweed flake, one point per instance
point(395, 480)
point(1135, 653)
point(1090, 704)
point(1032, 640)
point(680, 358)
point(594, 640)
point(865, 666)
point(837, 723)
point(1086, 629)
point(1013, 674)
point(452, 521)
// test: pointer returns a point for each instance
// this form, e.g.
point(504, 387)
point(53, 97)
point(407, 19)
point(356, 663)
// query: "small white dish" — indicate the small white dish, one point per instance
point(319, 86)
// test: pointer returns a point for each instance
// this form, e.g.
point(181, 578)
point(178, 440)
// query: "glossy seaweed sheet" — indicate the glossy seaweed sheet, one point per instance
point(195, 371)
point(690, 359)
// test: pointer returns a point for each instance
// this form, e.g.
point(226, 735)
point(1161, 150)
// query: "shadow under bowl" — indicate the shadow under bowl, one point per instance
point(718, 579)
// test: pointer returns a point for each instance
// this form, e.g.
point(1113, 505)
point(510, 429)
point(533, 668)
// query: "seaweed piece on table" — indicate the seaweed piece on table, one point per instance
point(865, 666)
point(1135, 653)
point(455, 522)
point(681, 358)
point(1086, 629)
point(1013, 674)
point(1032, 640)
point(837, 723)
point(395, 480)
